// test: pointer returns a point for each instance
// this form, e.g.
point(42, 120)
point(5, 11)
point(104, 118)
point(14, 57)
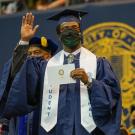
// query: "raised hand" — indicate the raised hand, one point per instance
point(27, 28)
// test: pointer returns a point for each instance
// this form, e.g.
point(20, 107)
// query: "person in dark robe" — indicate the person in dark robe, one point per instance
point(90, 105)
point(43, 48)
point(38, 47)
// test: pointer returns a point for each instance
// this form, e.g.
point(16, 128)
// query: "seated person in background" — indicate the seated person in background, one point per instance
point(75, 2)
point(45, 5)
point(15, 6)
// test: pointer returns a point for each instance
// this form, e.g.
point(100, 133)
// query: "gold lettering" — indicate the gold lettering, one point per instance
point(123, 35)
point(101, 34)
point(94, 36)
point(116, 34)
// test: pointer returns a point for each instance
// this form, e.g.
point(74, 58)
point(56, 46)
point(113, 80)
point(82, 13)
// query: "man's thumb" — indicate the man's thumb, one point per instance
point(35, 28)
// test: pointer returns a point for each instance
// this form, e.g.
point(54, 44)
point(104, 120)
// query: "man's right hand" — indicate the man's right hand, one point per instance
point(27, 28)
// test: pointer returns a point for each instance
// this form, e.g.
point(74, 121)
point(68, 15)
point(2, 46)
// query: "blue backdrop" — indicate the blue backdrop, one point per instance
point(10, 24)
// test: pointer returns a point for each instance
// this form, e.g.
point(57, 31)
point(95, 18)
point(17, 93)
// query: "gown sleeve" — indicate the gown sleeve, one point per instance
point(24, 92)
point(22, 85)
point(19, 56)
point(105, 97)
point(11, 68)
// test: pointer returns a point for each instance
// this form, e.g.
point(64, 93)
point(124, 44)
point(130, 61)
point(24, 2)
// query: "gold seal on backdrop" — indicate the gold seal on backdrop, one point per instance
point(116, 42)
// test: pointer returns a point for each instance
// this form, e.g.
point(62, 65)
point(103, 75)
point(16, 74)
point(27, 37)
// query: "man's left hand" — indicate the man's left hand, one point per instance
point(79, 73)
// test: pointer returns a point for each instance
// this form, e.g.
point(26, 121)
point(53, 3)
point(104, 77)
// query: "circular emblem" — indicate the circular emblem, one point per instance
point(61, 72)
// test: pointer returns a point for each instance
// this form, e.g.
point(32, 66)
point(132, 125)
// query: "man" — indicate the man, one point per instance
point(38, 47)
point(87, 103)
point(43, 48)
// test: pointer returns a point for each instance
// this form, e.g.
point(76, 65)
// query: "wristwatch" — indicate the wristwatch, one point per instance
point(89, 82)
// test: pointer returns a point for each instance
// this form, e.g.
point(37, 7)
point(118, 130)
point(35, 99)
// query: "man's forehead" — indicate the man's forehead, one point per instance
point(33, 48)
point(73, 23)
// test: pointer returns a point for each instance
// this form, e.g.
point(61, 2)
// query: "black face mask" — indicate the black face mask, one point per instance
point(70, 38)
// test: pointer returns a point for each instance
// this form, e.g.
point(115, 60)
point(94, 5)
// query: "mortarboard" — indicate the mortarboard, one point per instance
point(68, 15)
point(44, 43)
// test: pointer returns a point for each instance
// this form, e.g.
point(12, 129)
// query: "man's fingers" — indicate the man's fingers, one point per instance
point(77, 77)
point(29, 18)
point(79, 74)
point(32, 20)
point(76, 74)
point(23, 20)
point(78, 71)
point(26, 18)
point(35, 29)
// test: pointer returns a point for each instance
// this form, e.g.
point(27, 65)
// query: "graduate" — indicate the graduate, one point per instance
point(87, 103)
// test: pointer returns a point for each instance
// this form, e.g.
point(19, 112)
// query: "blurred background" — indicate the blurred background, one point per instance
point(108, 29)
point(13, 6)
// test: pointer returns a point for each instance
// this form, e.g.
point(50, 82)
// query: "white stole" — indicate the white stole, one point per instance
point(50, 99)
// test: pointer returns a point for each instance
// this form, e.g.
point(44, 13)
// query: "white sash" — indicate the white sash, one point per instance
point(51, 92)
point(88, 61)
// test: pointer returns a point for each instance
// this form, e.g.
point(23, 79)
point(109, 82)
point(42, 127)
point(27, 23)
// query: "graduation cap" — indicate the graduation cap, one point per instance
point(44, 43)
point(68, 15)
